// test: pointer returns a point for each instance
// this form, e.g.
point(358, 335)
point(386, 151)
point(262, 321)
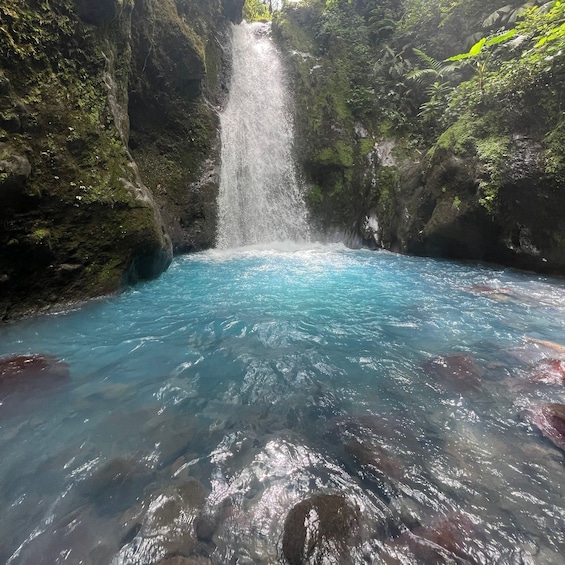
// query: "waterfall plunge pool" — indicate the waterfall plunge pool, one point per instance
point(204, 406)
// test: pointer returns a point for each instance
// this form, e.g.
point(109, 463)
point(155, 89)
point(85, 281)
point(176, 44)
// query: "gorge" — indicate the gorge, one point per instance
point(273, 383)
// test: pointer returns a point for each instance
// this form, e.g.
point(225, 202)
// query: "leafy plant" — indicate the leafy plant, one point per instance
point(254, 10)
point(433, 110)
point(479, 55)
point(433, 69)
point(510, 13)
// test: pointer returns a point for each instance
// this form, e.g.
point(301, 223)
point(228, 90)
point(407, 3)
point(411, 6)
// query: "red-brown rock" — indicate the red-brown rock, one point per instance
point(26, 378)
point(550, 420)
point(550, 371)
point(19, 368)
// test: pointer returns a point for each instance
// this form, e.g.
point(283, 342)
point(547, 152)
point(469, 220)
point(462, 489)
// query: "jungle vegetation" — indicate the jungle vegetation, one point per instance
point(417, 64)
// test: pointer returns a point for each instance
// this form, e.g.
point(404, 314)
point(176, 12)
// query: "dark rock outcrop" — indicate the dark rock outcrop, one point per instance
point(318, 527)
point(461, 205)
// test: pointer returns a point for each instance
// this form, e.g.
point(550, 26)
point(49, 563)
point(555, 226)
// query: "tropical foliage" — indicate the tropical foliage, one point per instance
point(415, 64)
point(254, 10)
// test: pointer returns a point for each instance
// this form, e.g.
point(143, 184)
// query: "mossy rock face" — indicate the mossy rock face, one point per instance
point(98, 13)
point(488, 196)
point(179, 77)
point(76, 216)
point(81, 212)
point(334, 149)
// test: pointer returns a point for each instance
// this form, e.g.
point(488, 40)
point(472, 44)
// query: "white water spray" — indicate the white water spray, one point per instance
point(260, 200)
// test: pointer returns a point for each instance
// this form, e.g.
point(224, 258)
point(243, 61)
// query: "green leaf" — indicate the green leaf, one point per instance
point(500, 38)
point(476, 49)
point(460, 57)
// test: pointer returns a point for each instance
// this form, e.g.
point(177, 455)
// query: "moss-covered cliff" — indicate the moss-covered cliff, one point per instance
point(107, 136)
point(402, 149)
point(334, 143)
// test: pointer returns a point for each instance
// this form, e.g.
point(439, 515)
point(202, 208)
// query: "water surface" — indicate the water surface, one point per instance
point(204, 405)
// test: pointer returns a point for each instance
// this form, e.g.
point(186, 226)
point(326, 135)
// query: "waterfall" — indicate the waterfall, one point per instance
point(260, 199)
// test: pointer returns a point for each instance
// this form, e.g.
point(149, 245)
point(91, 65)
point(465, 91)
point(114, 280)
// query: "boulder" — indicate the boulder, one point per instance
point(25, 371)
point(319, 528)
point(162, 529)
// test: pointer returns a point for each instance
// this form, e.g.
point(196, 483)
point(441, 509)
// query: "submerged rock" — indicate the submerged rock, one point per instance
point(26, 380)
point(162, 529)
point(550, 371)
point(374, 448)
point(457, 371)
point(451, 536)
point(319, 530)
point(550, 420)
point(450, 540)
point(17, 370)
point(494, 293)
point(115, 485)
point(556, 347)
point(181, 560)
point(369, 454)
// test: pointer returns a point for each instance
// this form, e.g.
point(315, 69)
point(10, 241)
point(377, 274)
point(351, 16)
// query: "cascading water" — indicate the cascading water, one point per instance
point(260, 199)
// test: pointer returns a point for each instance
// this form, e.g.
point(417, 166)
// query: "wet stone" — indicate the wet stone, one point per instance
point(18, 370)
point(115, 485)
point(319, 530)
point(550, 420)
point(181, 560)
point(174, 436)
point(163, 527)
point(497, 294)
point(457, 371)
point(4, 85)
point(451, 540)
point(367, 453)
point(28, 380)
point(206, 526)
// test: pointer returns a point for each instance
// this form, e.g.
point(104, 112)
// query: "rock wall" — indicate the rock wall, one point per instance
point(335, 149)
point(488, 188)
point(107, 142)
point(463, 202)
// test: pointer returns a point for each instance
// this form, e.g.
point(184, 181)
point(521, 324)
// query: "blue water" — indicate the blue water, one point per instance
point(202, 406)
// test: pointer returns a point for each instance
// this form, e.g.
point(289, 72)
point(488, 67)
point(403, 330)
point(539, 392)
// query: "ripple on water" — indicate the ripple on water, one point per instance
point(202, 408)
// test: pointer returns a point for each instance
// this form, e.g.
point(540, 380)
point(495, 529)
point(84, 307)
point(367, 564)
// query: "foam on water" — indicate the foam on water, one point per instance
point(243, 381)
